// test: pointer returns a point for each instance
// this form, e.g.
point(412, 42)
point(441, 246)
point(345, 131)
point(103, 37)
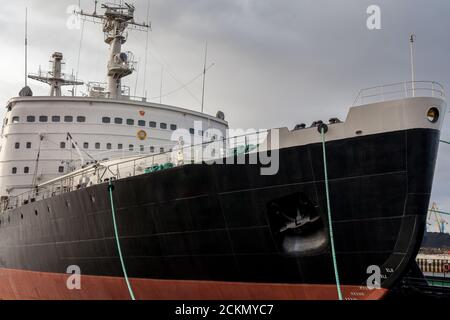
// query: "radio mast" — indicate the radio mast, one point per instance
point(116, 19)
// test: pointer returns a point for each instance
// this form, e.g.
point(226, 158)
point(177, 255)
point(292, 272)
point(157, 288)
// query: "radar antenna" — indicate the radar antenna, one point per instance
point(116, 19)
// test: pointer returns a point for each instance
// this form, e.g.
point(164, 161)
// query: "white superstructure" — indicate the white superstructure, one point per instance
point(46, 137)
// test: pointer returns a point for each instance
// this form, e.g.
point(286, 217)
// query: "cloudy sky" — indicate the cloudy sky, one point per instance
point(277, 62)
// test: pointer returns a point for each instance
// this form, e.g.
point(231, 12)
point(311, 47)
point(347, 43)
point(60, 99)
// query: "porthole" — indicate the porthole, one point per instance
point(35, 212)
point(21, 216)
point(433, 114)
point(92, 198)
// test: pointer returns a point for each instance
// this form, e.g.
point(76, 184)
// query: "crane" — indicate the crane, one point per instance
point(434, 211)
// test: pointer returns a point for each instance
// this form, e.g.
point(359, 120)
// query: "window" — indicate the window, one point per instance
point(62, 145)
point(141, 123)
point(152, 124)
point(81, 119)
point(106, 120)
point(109, 146)
point(56, 119)
point(118, 120)
point(152, 149)
point(6, 121)
point(200, 132)
point(97, 145)
point(68, 119)
point(14, 170)
point(86, 145)
point(17, 145)
point(142, 148)
point(28, 145)
point(173, 127)
point(120, 146)
point(31, 119)
point(131, 147)
point(15, 120)
point(161, 150)
point(163, 125)
point(192, 131)
point(43, 118)
point(26, 170)
point(130, 122)
point(61, 169)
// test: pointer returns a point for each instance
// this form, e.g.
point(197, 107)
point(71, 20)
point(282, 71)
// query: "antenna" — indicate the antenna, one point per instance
point(413, 75)
point(160, 88)
point(26, 46)
point(116, 19)
point(204, 76)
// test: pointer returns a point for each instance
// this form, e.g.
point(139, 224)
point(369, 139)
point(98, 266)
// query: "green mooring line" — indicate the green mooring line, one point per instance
point(330, 224)
point(130, 290)
point(440, 212)
point(443, 141)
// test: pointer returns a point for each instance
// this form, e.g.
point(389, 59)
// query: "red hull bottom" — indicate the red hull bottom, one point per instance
point(27, 285)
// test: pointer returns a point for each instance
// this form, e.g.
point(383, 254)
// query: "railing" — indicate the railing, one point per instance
point(399, 90)
point(122, 168)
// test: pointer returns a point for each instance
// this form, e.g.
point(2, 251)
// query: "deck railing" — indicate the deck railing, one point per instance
point(112, 170)
point(400, 90)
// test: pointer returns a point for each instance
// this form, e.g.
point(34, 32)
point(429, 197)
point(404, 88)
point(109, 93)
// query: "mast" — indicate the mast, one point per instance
point(204, 76)
point(413, 74)
point(26, 47)
point(116, 19)
point(55, 78)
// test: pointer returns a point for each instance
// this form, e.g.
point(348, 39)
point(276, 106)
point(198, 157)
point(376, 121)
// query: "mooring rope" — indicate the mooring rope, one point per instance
point(330, 224)
point(122, 262)
point(443, 141)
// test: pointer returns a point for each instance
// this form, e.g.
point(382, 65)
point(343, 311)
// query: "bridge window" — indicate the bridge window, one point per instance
point(62, 145)
point(26, 170)
point(68, 119)
point(120, 146)
point(152, 149)
point(141, 123)
point(86, 145)
point(152, 124)
point(106, 120)
point(56, 119)
point(17, 145)
point(97, 145)
point(28, 145)
point(14, 170)
point(163, 126)
point(142, 148)
point(161, 150)
point(61, 169)
point(15, 120)
point(109, 146)
point(131, 147)
point(192, 131)
point(118, 120)
point(81, 119)
point(130, 122)
point(31, 118)
point(173, 127)
point(43, 118)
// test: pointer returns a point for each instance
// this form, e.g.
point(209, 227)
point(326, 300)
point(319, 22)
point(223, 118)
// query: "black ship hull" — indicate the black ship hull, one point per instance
point(222, 231)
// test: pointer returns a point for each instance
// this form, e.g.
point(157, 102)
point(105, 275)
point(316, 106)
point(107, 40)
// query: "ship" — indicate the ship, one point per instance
point(99, 201)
